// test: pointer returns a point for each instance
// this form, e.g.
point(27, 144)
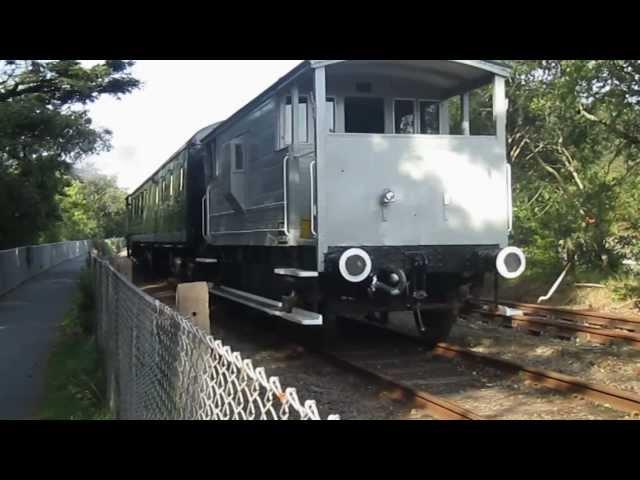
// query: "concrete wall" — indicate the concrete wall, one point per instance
point(19, 264)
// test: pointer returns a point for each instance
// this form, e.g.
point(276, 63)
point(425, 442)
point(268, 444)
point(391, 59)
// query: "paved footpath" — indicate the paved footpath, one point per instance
point(29, 316)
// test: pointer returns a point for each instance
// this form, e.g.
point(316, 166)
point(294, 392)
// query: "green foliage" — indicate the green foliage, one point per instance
point(110, 247)
point(574, 138)
point(92, 206)
point(44, 130)
point(75, 383)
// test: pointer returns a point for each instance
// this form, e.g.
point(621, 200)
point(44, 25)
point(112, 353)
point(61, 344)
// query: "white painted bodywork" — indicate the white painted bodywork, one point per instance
point(451, 190)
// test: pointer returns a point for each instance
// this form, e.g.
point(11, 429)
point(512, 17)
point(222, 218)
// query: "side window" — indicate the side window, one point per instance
point(303, 130)
point(181, 178)
point(170, 184)
point(455, 115)
point(404, 116)
point(429, 117)
point(238, 160)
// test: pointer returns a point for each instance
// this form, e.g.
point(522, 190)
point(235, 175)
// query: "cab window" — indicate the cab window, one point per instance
point(429, 117)
point(404, 116)
point(363, 115)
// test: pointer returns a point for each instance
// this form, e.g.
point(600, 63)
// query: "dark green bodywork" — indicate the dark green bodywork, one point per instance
point(166, 209)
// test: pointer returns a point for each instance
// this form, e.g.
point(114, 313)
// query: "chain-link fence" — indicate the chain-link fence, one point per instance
point(20, 264)
point(160, 366)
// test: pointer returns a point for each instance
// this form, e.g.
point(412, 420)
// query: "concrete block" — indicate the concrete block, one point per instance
point(192, 300)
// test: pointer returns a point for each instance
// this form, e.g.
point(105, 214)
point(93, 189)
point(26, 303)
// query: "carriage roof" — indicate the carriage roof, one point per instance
point(195, 140)
point(461, 72)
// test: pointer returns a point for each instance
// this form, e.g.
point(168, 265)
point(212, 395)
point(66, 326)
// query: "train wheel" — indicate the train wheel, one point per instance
point(438, 324)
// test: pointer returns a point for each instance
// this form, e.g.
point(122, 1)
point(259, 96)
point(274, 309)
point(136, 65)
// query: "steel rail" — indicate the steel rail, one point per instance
point(444, 409)
point(598, 335)
point(616, 398)
point(432, 404)
point(586, 316)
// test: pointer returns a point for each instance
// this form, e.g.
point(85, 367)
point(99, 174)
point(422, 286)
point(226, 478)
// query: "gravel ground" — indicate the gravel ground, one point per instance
point(484, 390)
point(614, 365)
point(489, 392)
point(335, 391)
point(263, 340)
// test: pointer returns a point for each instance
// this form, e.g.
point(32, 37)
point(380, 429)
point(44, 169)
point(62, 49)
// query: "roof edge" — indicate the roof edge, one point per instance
point(492, 66)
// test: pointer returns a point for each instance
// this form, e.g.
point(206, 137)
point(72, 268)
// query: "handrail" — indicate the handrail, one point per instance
point(203, 215)
point(208, 195)
point(313, 211)
point(285, 160)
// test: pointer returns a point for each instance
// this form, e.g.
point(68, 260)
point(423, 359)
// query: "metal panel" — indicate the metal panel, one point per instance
point(270, 176)
point(450, 190)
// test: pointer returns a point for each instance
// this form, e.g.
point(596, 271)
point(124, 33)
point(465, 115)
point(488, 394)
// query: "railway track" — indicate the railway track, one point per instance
point(432, 405)
point(565, 323)
point(434, 387)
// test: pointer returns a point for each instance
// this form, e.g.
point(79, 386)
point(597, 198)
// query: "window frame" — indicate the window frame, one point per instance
point(419, 123)
point(416, 112)
point(234, 144)
point(334, 110)
point(282, 116)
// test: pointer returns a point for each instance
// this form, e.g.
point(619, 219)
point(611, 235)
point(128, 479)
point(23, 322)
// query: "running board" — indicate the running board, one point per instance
point(295, 272)
point(206, 260)
point(272, 307)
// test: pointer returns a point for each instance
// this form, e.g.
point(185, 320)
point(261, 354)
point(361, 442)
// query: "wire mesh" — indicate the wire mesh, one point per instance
point(161, 366)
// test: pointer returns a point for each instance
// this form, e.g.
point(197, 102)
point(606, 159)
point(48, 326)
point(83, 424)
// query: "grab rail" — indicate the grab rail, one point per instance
point(203, 215)
point(313, 210)
point(208, 203)
point(284, 188)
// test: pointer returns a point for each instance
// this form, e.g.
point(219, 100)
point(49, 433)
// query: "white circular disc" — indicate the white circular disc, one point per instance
point(342, 265)
point(502, 268)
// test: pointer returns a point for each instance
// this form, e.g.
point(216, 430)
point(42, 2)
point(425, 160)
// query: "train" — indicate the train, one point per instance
point(348, 188)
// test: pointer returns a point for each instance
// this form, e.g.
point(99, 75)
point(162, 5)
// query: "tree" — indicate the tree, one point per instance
point(44, 130)
point(92, 206)
point(574, 139)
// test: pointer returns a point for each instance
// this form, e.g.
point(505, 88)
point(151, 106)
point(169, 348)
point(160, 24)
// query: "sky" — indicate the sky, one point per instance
point(177, 99)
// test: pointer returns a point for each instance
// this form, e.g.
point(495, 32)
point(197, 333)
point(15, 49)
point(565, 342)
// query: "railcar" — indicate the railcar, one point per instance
point(164, 213)
point(355, 188)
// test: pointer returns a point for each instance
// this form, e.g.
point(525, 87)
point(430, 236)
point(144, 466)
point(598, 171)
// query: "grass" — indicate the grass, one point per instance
point(75, 381)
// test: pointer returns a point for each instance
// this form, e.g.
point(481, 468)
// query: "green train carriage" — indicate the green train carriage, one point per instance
point(164, 212)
